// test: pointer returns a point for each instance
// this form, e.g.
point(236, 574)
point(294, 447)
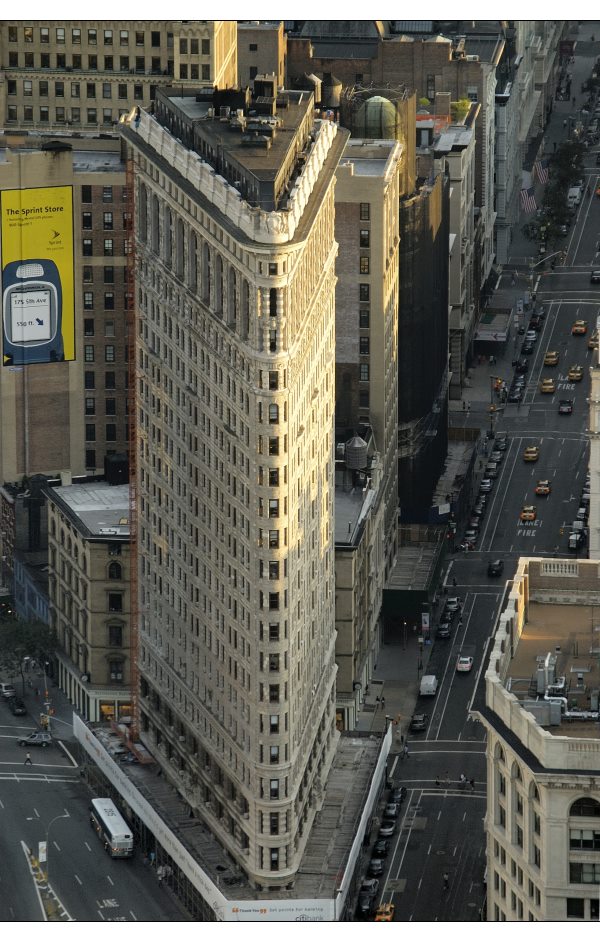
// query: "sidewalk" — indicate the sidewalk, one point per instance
point(61, 722)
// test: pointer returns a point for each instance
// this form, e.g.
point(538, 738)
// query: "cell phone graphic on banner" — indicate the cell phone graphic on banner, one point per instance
point(31, 313)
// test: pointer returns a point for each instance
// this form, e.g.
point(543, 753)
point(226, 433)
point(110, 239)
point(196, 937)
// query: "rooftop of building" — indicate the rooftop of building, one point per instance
point(455, 137)
point(257, 140)
point(329, 843)
point(97, 509)
point(561, 645)
point(370, 158)
point(356, 466)
point(417, 558)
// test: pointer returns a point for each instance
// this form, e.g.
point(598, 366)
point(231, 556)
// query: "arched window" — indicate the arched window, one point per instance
point(585, 808)
point(533, 792)
point(193, 261)
point(245, 327)
point(206, 272)
point(155, 226)
point(219, 285)
point(179, 249)
point(516, 772)
point(273, 302)
point(168, 237)
point(115, 571)
point(273, 413)
point(499, 753)
point(143, 213)
point(232, 299)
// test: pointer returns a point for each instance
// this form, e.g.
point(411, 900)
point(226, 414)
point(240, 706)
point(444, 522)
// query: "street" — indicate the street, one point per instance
point(34, 803)
point(440, 829)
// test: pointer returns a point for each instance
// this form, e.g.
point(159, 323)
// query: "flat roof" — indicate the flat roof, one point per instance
point(97, 509)
point(454, 136)
point(571, 633)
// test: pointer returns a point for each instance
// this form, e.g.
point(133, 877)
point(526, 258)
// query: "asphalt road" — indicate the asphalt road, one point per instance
point(91, 886)
point(440, 829)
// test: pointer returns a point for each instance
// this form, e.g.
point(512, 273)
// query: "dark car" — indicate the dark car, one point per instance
point(535, 323)
point(444, 630)
point(381, 848)
point(17, 707)
point(398, 794)
point(595, 277)
point(522, 366)
point(515, 395)
point(364, 907)
point(495, 568)
point(527, 348)
point(376, 867)
point(419, 722)
point(565, 407)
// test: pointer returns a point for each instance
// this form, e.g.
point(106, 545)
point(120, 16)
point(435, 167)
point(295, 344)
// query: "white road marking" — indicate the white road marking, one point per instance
point(133, 915)
point(78, 880)
point(88, 846)
point(109, 880)
point(56, 845)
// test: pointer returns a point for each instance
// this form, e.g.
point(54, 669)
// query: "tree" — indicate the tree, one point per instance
point(24, 639)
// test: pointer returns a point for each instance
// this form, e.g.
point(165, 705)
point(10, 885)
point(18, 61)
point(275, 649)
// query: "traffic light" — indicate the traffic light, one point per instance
point(561, 531)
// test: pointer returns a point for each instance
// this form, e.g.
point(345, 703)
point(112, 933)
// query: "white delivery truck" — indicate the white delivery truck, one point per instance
point(574, 197)
point(429, 683)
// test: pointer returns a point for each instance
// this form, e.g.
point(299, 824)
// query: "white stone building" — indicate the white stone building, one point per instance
point(235, 352)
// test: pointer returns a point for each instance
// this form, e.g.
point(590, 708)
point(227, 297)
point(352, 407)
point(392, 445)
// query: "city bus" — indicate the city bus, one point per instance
point(111, 828)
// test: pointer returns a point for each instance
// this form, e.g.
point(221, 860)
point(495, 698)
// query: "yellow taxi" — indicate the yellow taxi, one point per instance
point(551, 358)
point(547, 385)
point(385, 912)
point(531, 454)
point(543, 488)
point(593, 341)
point(528, 513)
point(579, 328)
point(576, 374)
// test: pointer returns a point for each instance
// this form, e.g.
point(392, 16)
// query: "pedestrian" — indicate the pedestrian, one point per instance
point(405, 751)
point(446, 880)
point(27, 759)
point(565, 123)
point(464, 406)
point(437, 781)
point(463, 778)
point(472, 783)
point(382, 702)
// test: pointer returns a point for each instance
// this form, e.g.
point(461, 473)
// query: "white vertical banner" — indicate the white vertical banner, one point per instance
point(42, 851)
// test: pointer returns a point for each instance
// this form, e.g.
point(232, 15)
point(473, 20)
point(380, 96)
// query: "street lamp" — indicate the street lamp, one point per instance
point(65, 815)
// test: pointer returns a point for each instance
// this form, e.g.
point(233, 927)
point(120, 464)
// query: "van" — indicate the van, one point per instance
point(574, 197)
point(7, 691)
point(429, 684)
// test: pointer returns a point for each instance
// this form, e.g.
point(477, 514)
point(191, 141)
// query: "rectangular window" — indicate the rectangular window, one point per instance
point(60, 35)
point(92, 116)
point(110, 406)
point(273, 446)
point(138, 91)
point(107, 194)
point(59, 89)
point(28, 113)
point(44, 114)
point(110, 380)
point(364, 319)
point(273, 508)
point(90, 89)
point(206, 47)
point(76, 62)
point(108, 220)
point(364, 292)
point(115, 636)
point(92, 37)
point(183, 47)
point(273, 477)
point(274, 788)
point(122, 91)
point(88, 327)
point(88, 300)
point(365, 238)
point(109, 328)
point(365, 211)
point(108, 37)
point(115, 601)
point(12, 34)
point(364, 373)
point(109, 353)
point(430, 87)
point(364, 264)
point(273, 693)
point(363, 398)
point(124, 63)
point(90, 433)
point(86, 221)
point(116, 671)
point(273, 539)
point(123, 37)
point(107, 117)
point(75, 90)
point(27, 88)
point(89, 353)
point(139, 38)
point(90, 458)
point(90, 405)
point(108, 247)
point(575, 908)
point(13, 60)
point(273, 601)
point(88, 274)
point(205, 73)
point(106, 90)
point(92, 63)
point(76, 37)
point(43, 89)
point(109, 275)
point(274, 754)
point(111, 433)
point(90, 379)
point(60, 115)
point(364, 346)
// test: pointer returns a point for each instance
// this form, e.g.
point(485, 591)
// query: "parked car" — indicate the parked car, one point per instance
point(527, 348)
point(471, 536)
point(453, 604)
point(515, 394)
point(522, 365)
point(565, 407)
point(387, 827)
point(36, 739)
point(497, 456)
point(391, 810)
point(419, 722)
point(398, 794)
point(381, 848)
point(376, 867)
point(364, 907)
point(595, 277)
point(444, 629)
point(486, 486)
point(7, 691)
point(501, 441)
point(531, 335)
point(495, 568)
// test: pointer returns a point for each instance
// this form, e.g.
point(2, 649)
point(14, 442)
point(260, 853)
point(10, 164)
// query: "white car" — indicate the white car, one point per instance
point(531, 335)
point(464, 664)
point(453, 604)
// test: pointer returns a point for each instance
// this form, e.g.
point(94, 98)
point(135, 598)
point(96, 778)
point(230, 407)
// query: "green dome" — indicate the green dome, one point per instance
point(376, 119)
